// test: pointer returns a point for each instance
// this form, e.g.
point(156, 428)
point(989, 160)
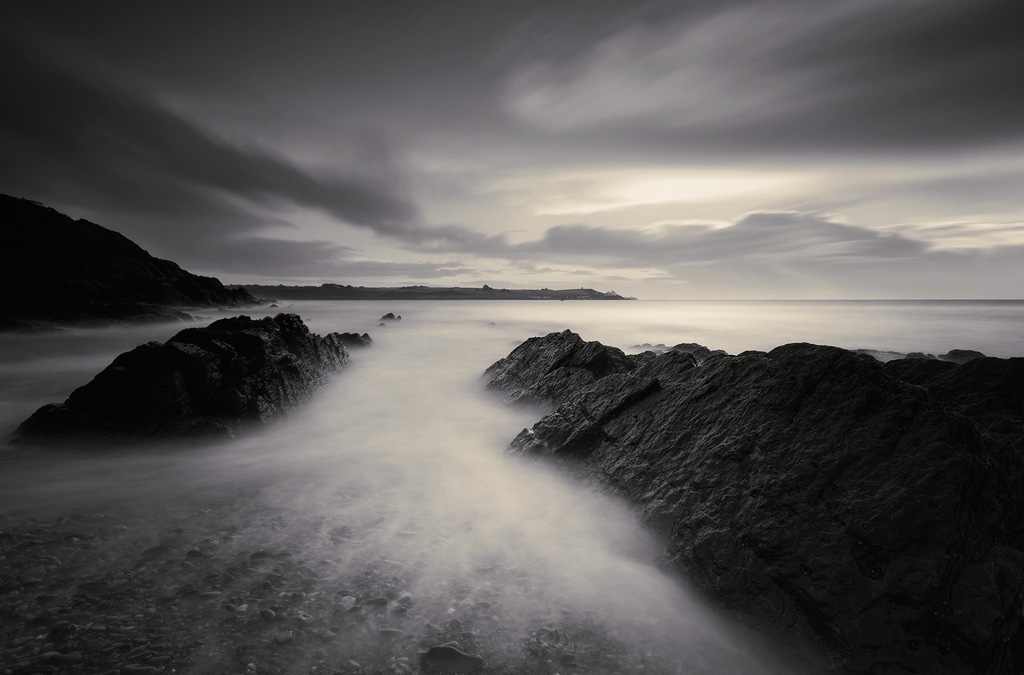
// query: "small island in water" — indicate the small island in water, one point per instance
point(346, 292)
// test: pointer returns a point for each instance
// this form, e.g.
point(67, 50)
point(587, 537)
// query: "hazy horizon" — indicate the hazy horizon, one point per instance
point(778, 149)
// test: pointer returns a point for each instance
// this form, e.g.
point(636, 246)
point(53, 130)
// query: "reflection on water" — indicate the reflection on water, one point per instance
point(383, 517)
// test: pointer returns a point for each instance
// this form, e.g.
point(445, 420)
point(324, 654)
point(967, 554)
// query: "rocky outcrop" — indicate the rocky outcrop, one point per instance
point(217, 380)
point(546, 371)
point(865, 514)
point(55, 269)
point(700, 352)
point(953, 355)
point(355, 339)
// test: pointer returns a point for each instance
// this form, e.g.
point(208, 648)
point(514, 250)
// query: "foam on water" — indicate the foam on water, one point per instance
point(397, 468)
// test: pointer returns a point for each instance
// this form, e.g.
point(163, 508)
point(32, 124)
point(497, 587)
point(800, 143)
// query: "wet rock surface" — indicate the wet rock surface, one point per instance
point(865, 514)
point(240, 585)
point(217, 380)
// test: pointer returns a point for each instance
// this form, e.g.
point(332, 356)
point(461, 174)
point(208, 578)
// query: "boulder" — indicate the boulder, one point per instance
point(218, 380)
point(448, 658)
point(391, 317)
point(869, 522)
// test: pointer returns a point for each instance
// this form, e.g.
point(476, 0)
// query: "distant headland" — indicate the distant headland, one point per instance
point(345, 292)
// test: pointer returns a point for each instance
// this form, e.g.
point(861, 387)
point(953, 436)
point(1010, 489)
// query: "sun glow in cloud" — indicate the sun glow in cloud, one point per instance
point(587, 192)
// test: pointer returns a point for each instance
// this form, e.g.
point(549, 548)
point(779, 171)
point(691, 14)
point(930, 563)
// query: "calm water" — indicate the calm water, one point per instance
point(405, 450)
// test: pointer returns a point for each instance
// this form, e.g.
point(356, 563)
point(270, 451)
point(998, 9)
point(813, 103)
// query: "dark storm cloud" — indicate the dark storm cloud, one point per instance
point(74, 140)
point(466, 94)
point(255, 256)
point(715, 76)
point(792, 75)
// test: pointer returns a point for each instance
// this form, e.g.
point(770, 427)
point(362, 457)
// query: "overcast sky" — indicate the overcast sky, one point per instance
point(665, 149)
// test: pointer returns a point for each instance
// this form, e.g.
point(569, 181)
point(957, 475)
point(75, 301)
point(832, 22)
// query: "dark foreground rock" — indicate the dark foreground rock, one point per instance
point(866, 514)
point(203, 381)
point(54, 269)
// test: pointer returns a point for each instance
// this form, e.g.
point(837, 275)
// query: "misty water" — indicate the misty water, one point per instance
point(383, 516)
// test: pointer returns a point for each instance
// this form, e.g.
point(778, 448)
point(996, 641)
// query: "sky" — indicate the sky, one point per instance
point(707, 149)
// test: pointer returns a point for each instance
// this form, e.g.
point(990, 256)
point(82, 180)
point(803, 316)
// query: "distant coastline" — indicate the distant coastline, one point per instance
point(345, 292)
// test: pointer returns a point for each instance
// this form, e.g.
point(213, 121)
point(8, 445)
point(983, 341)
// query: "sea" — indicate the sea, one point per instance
point(403, 455)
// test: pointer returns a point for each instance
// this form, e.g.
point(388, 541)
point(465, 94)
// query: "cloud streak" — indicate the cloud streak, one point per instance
point(790, 75)
point(74, 139)
point(619, 139)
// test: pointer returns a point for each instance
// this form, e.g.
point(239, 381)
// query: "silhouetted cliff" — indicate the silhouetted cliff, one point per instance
point(55, 269)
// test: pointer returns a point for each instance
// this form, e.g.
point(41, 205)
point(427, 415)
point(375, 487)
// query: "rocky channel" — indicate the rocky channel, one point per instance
point(864, 514)
point(234, 374)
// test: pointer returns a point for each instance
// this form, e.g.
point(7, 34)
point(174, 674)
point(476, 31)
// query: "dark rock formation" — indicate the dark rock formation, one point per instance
point(920, 356)
point(990, 391)
point(961, 355)
point(448, 659)
point(548, 370)
point(203, 381)
point(55, 269)
point(355, 339)
point(866, 514)
point(390, 316)
point(953, 355)
point(700, 352)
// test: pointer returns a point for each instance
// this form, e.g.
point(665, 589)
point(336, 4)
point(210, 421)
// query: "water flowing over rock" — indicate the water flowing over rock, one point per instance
point(203, 381)
point(866, 514)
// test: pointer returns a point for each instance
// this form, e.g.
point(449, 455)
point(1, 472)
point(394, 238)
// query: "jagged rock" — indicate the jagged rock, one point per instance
point(546, 370)
point(56, 269)
point(203, 381)
point(355, 339)
point(391, 317)
point(920, 356)
point(700, 352)
point(961, 355)
point(869, 522)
